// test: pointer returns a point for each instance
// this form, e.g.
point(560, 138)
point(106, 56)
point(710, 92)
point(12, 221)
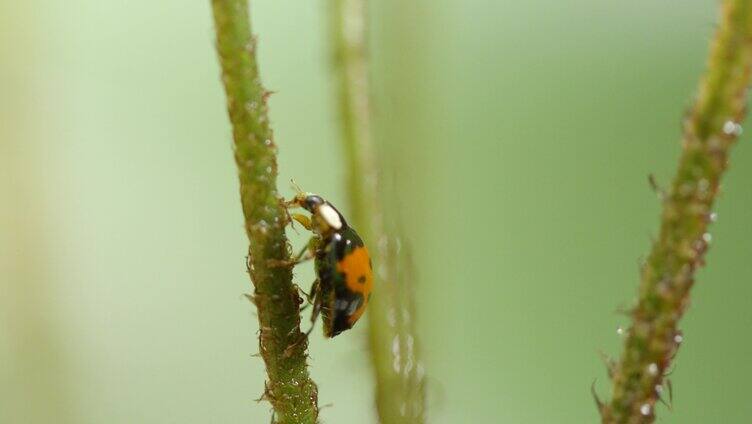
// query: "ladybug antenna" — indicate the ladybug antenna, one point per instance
point(296, 187)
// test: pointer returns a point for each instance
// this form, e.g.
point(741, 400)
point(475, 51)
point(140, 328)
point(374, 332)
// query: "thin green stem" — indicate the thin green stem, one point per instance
point(348, 39)
point(710, 129)
point(395, 357)
point(290, 390)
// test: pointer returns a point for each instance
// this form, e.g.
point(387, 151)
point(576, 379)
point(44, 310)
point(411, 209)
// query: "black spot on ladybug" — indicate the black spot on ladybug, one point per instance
point(362, 279)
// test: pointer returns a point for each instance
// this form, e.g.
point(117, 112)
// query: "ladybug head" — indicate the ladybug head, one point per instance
point(311, 202)
point(324, 214)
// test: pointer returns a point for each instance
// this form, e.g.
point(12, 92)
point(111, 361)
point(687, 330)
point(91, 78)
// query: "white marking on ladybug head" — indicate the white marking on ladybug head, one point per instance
point(331, 217)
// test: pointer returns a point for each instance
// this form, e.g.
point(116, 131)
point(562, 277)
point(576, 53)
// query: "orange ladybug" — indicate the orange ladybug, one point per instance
point(343, 266)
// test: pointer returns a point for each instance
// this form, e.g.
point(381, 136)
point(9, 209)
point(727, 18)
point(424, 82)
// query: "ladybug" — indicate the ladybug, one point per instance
point(344, 273)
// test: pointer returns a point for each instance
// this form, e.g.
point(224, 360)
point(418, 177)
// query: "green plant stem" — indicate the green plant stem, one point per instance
point(290, 390)
point(398, 371)
point(710, 130)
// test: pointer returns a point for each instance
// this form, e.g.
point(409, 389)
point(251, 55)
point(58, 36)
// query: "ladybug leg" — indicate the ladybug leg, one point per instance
point(302, 220)
point(310, 297)
point(316, 292)
point(314, 317)
point(307, 297)
point(305, 254)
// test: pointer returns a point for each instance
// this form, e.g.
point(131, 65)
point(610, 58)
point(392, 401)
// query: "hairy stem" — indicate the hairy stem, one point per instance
point(398, 372)
point(290, 390)
point(710, 129)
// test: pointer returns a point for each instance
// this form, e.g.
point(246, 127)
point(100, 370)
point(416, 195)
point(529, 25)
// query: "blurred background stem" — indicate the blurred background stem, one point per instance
point(283, 347)
point(37, 376)
point(398, 371)
point(35, 380)
point(710, 129)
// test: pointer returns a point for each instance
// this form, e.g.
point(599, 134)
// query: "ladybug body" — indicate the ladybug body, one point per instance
point(345, 279)
point(343, 266)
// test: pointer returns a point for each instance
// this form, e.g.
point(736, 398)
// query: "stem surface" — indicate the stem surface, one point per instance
point(289, 388)
point(710, 129)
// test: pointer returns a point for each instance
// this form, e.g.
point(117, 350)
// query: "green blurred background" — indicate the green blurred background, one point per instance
point(518, 137)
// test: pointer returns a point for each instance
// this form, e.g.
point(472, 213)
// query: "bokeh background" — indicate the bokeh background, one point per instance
point(518, 137)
